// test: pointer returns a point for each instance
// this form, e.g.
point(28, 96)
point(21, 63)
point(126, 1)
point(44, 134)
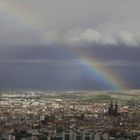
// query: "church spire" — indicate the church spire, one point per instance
point(116, 108)
point(110, 110)
point(113, 109)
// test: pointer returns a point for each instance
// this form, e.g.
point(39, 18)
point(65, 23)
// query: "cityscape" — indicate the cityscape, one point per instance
point(69, 70)
point(69, 115)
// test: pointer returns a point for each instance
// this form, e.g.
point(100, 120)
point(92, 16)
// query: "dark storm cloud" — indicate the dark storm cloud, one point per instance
point(54, 53)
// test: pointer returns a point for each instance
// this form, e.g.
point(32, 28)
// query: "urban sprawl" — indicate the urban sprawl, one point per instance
point(69, 115)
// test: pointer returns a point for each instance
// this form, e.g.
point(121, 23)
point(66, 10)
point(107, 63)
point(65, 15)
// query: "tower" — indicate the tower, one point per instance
point(116, 108)
point(110, 109)
point(113, 109)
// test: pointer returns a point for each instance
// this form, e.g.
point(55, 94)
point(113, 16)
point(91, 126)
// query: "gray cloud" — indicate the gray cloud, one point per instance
point(92, 36)
point(70, 22)
point(74, 62)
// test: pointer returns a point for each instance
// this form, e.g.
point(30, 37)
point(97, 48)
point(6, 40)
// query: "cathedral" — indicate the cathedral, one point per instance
point(113, 109)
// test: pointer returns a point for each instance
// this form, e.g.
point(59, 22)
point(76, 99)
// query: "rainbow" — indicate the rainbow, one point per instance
point(23, 14)
point(99, 71)
point(94, 68)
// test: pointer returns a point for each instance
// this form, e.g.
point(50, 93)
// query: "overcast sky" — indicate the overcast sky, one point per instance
point(41, 41)
point(91, 21)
